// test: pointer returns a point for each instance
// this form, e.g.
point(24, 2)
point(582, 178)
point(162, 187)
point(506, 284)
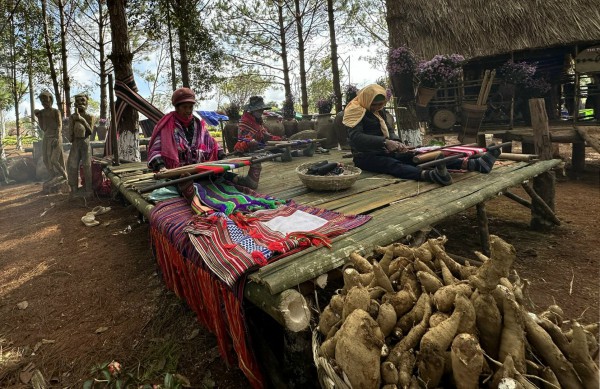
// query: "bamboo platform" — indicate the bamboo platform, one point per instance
point(398, 207)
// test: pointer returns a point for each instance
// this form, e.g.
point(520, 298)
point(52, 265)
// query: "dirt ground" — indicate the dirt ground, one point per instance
point(72, 296)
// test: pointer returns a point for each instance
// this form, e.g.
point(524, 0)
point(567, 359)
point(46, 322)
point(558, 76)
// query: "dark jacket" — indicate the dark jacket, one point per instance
point(367, 137)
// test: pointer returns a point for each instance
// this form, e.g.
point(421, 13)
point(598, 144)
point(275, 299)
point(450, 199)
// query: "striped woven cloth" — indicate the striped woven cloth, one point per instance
point(230, 246)
point(467, 150)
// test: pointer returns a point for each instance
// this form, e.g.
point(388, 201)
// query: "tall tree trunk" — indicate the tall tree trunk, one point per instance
point(171, 53)
point(63, 54)
point(335, 70)
point(30, 81)
point(184, 62)
point(102, 61)
point(122, 59)
point(301, 60)
point(287, 85)
point(15, 91)
point(181, 7)
point(57, 94)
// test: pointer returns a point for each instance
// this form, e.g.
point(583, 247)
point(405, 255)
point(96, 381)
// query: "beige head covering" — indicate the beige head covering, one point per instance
point(355, 110)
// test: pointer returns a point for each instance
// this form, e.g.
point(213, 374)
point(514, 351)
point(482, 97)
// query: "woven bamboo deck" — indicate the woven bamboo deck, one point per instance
point(398, 208)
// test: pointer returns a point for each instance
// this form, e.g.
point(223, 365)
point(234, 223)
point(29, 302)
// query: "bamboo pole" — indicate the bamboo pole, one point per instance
point(134, 198)
point(289, 308)
point(518, 157)
point(488, 87)
point(483, 87)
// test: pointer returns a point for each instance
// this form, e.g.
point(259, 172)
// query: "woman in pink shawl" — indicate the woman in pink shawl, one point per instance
point(180, 139)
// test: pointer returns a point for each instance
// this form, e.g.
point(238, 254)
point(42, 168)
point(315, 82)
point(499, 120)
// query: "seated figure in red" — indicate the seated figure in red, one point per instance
point(180, 139)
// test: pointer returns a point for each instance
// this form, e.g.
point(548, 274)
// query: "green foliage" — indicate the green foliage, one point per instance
point(239, 88)
point(11, 140)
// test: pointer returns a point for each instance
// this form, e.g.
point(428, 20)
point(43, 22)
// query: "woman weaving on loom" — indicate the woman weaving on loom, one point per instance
point(375, 145)
point(181, 139)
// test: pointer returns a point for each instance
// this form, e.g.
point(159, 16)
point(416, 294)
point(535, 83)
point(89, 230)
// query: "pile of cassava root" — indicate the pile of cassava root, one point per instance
point(416, 318)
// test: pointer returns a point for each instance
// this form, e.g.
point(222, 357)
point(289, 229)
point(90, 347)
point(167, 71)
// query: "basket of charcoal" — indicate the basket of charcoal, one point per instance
point(326, 175)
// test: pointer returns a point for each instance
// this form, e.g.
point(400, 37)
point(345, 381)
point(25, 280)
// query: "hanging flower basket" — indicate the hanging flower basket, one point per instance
point(424, 95)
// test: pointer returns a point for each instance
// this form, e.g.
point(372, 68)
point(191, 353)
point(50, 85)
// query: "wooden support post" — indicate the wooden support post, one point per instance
point(518, 199)
point(543, 207)
point(289, 308)
point(543, 184)
point(578, 158)
point(484, 232)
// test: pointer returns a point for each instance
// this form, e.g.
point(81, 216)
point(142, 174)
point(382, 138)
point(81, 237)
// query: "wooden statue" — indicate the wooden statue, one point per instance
point(80, 129)
point(52, 146)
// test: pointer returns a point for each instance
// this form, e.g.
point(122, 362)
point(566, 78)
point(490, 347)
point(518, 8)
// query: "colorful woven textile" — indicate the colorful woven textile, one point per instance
point(467, 150)
point(223, 196)
point(204, 260)
point(231, 247)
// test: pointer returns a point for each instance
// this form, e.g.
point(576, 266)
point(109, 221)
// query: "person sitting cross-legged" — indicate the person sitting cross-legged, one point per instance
point(253, 135)
point(377, 148)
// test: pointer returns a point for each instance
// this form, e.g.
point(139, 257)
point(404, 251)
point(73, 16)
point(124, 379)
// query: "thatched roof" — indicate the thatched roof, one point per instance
point(476, 28)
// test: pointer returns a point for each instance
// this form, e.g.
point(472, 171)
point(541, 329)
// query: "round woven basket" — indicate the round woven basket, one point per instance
point(339, 182)
point(328, 378)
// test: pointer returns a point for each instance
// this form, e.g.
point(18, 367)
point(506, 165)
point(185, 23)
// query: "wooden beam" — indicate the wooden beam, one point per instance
point(584, 133)
point(539, 202)
point(518, 199)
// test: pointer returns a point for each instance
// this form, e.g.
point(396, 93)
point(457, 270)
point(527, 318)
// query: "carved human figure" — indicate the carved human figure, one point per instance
point(52, 147)
point(80, 129)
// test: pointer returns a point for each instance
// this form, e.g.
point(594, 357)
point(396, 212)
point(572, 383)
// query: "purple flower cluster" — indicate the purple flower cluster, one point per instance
point(325, 105)
point(517, 72)
point(536, 87)
point(350, 91)
point(440, 70)
point(402, 60)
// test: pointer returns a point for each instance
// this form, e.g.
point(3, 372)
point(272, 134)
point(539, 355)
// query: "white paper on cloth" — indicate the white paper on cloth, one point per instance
point(299, 221)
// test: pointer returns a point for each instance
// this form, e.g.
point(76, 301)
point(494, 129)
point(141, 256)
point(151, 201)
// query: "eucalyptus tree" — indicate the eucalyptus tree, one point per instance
point(256, 35)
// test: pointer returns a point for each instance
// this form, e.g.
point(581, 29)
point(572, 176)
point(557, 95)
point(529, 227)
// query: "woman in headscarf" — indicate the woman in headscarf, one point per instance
point(180, 139)
point(253, 135)
point(375, 145)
